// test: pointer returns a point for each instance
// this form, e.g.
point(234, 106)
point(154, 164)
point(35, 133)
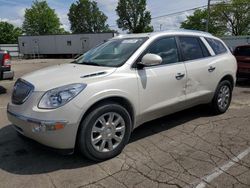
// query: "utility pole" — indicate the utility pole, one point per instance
point(208, 15)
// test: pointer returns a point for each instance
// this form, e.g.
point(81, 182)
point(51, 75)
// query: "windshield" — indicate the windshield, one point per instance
point(113, 53)
point(242, 51)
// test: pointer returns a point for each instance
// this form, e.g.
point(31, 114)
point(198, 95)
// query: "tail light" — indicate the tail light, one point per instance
point(6, 60)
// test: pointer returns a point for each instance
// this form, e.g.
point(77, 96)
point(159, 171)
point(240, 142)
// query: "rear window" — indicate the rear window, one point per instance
point(242, 51)
point(192, 48)
point(217, 46)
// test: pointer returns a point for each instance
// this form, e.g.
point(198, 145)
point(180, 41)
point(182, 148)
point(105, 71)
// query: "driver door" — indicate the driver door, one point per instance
point(162, 87)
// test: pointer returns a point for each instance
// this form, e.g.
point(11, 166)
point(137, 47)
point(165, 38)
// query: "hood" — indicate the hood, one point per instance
point(59, 75)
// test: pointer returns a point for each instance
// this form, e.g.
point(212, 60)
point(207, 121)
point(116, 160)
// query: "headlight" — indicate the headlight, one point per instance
point(60, 96)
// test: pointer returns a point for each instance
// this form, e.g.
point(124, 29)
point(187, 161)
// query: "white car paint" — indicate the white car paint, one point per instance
point(152, 91)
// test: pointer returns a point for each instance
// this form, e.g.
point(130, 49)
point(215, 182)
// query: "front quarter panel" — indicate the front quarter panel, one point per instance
point(118, 84)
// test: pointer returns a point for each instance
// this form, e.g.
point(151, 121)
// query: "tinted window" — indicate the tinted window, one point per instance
point(204, 49)
point(191, 48)
point(68, 43)
point(217, 46)
point(242, 51)
point(166, 48)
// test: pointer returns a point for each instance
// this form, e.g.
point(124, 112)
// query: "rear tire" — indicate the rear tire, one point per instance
point(104, 132)
point(222, 97)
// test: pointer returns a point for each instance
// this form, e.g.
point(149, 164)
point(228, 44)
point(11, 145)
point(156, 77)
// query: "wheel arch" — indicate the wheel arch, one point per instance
point(230, 78)
point(124, 102)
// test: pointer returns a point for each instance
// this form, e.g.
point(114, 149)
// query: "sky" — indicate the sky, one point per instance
point(13, 11)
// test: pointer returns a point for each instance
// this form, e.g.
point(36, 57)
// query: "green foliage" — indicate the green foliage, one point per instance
point(8, 33)
point(236, 15)
point(63, 31)
point(133, 16)
point(228, 17)
point(40, 19)
point(85, 16)
point(198, 20)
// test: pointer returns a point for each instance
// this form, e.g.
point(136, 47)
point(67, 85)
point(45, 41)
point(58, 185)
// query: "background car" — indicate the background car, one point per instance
point(242, 54)
point(5, 66)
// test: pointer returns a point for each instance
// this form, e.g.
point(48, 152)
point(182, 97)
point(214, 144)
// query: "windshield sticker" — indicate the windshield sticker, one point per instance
point(130, 41)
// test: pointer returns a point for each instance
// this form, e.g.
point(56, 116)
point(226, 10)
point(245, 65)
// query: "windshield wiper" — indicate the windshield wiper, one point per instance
point(89, 63)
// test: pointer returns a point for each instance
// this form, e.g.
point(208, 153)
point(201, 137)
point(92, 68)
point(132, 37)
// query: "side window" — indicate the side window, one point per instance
point(191, 48)
point(69, 43)
point(166, 48)
point(217, 46)
point(205, 51)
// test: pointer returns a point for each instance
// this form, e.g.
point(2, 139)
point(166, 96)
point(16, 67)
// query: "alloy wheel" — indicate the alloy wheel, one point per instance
point(223, 99)
point(108, 132)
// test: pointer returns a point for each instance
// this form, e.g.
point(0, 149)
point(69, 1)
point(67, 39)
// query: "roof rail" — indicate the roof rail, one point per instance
point(189, 30)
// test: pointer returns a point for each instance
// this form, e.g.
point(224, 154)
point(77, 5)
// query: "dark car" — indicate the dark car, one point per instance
point(242, 54)
point(5, 66)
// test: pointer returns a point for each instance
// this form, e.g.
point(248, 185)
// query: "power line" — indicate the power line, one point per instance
point(174, 13)
point(223, 3)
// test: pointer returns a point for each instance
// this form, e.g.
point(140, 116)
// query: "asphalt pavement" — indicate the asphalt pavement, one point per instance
point(191, 148)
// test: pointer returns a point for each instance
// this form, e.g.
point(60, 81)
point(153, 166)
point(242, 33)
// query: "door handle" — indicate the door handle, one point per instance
point(211, 69)
point(179, 76)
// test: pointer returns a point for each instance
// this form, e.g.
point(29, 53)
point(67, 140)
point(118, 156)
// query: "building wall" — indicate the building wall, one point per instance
point(234, 41)
point(61, 44)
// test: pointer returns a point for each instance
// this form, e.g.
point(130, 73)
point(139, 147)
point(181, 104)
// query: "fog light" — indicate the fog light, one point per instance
point(43, 127)
point(39, 128)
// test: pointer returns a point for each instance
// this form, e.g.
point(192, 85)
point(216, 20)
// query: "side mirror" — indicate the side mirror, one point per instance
point(151, 59)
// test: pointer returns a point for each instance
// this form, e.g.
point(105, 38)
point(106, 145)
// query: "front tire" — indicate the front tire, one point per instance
point(104, 132)
point(222, 97)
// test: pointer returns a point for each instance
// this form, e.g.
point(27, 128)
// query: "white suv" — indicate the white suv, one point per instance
point(96, 101)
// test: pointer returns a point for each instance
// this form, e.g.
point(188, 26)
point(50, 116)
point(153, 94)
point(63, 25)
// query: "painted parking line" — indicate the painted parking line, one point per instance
point(3, 107)
point(218, 171)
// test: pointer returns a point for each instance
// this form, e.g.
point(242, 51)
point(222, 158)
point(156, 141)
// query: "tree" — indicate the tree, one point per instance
point(236, 14)
point(85, 16)
point(133, 16)
point(197, 21)
point(9, 33)
point(227, 17)
point(40, 19)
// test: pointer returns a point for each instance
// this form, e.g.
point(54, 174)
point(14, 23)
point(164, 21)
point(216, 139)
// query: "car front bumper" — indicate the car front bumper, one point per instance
point(44, 131)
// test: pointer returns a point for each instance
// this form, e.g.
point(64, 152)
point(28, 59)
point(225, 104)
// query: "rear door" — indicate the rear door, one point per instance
point(202, 75)
point(162, 87)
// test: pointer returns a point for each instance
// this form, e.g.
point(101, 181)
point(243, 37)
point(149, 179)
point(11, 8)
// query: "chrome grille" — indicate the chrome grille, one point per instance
point(21, 92)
